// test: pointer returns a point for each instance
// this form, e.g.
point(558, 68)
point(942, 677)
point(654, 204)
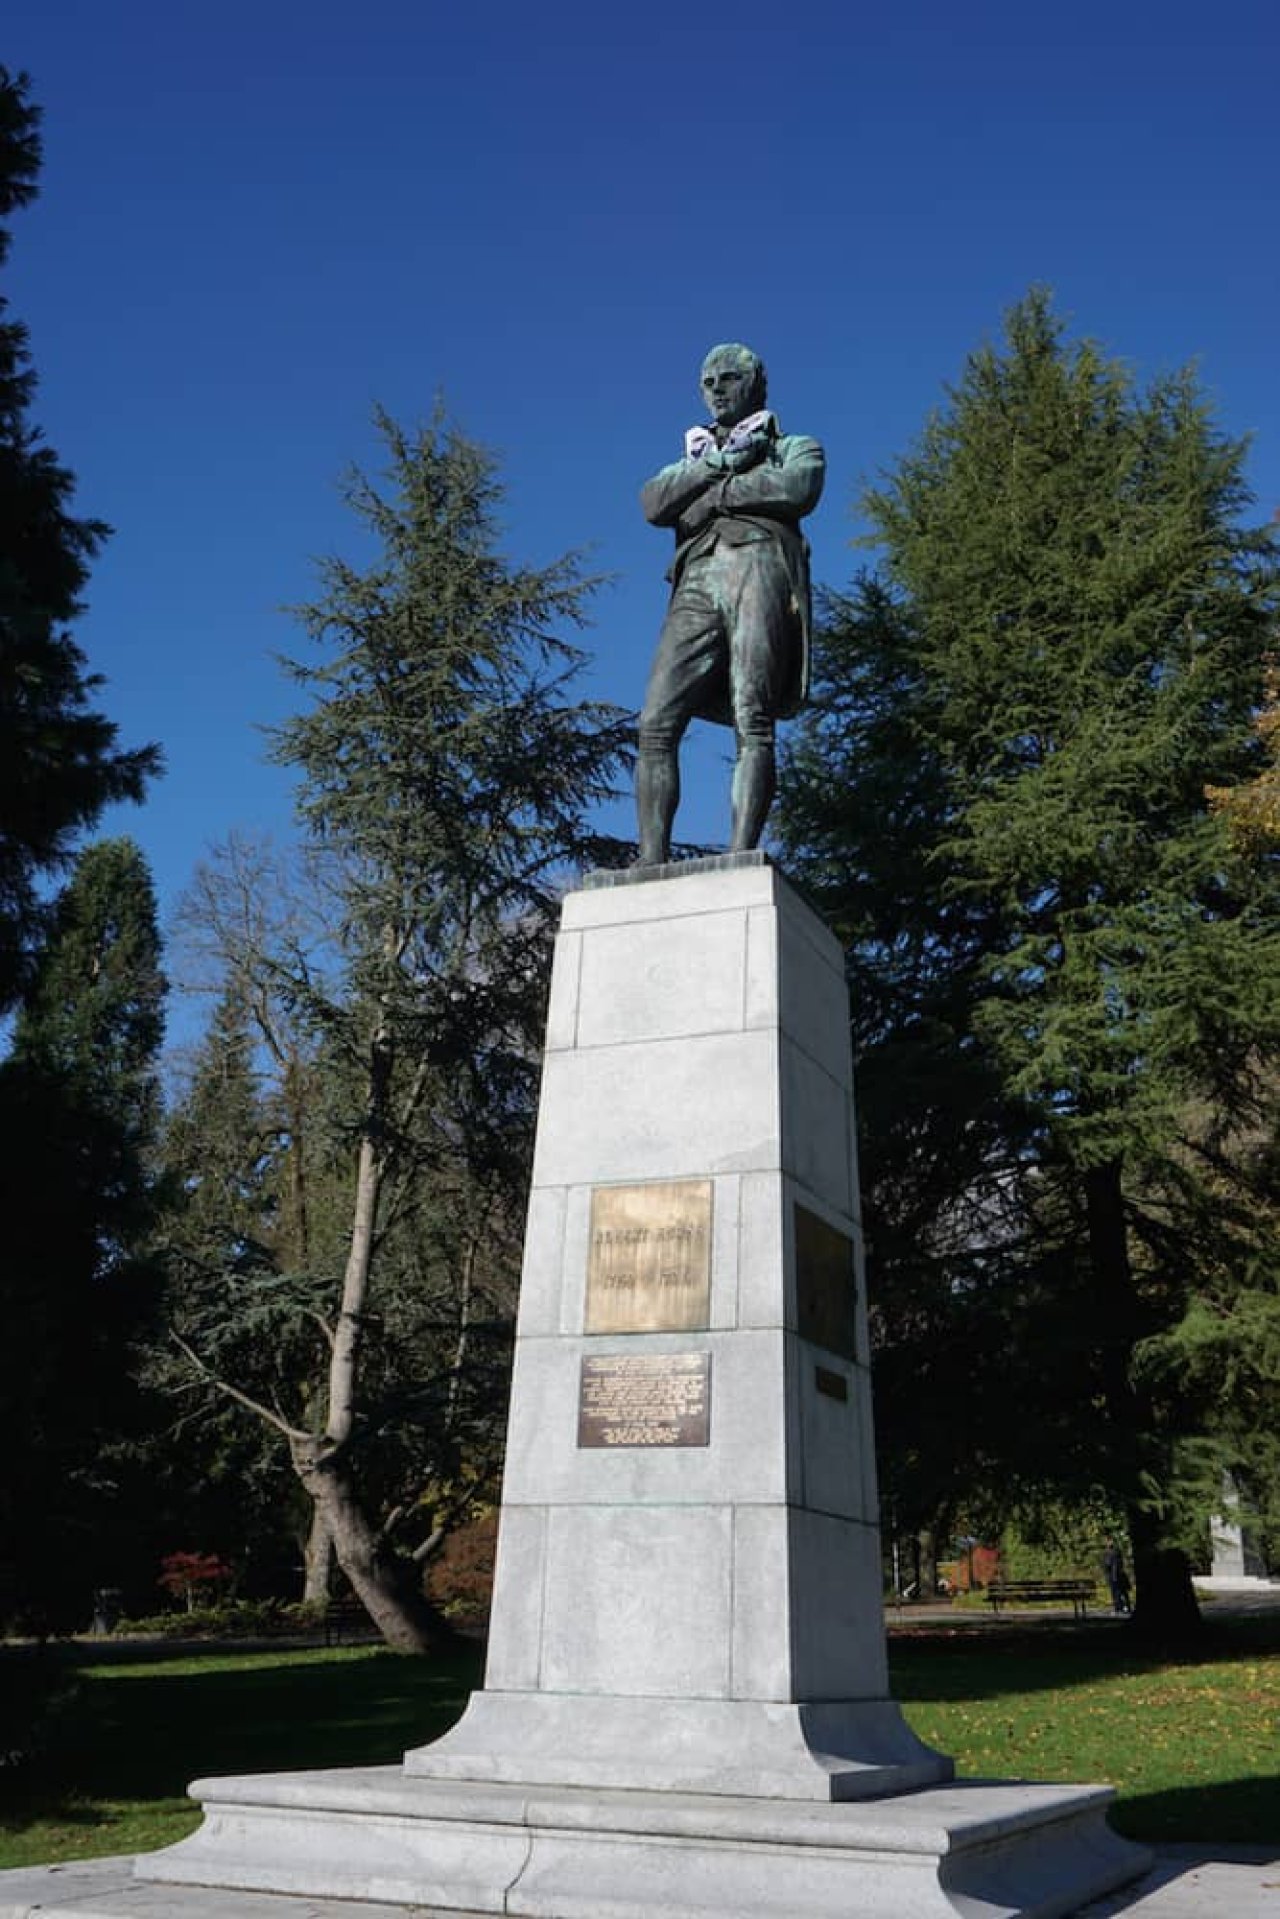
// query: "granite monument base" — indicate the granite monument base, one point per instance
point(352, 1839)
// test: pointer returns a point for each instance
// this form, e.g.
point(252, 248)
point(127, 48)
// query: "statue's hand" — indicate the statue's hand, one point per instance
point(720, 461)
point(739, 458)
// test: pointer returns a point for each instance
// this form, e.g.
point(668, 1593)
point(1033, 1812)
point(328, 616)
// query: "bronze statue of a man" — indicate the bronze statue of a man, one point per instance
point(734, 646)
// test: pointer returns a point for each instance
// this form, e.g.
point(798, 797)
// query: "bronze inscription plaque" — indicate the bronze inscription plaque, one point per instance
point(645, 1399)
point(826, 1294)
point(649, 1265)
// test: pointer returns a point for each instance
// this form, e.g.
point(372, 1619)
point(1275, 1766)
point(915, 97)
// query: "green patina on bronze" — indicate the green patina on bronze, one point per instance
point(734, 647)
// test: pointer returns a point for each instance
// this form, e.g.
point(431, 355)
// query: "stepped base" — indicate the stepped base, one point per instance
point(839, 1749)
point(971, 1851)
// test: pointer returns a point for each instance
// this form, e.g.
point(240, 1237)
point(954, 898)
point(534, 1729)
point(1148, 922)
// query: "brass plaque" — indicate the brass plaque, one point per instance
point(645, 1399)
point(649, 1265)
point(826, 1293)
point(834, 1385)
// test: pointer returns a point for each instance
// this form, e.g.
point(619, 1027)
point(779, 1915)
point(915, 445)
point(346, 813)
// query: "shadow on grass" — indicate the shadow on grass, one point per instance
point(1232, 1813)
point(988, 1662)
point(143, 1731)
point(140, 1725)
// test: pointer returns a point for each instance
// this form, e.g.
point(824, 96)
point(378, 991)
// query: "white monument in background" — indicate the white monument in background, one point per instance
point(1237, 1565)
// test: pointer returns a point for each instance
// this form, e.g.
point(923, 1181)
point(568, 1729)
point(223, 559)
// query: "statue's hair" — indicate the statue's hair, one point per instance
point(742, 356)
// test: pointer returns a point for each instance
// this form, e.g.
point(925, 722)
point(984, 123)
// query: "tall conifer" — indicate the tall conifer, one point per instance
point(446, 775)
point(59, 762)
point(1001, 796)
point(79, 1105)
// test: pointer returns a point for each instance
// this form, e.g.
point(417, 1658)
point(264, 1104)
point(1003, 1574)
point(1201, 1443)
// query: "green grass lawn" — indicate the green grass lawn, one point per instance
point(1193, 1746)
point(135, 1727)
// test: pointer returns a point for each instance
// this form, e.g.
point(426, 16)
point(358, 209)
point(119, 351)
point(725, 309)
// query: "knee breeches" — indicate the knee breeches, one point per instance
point(727, 647)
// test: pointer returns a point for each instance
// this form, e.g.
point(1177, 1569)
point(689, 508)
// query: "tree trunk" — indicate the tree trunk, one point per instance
point(388, 1589)
point(927, 1563)
point(466, 1277)
point(344, 1362)
point(1165, 1605)
point(296, 1236)
point(318, 1559)
point(384, 1588)
point(1166, 1611)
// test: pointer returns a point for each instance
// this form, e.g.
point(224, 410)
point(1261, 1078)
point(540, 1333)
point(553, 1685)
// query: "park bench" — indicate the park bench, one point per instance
point(1007, 1592)
point(343, 1615)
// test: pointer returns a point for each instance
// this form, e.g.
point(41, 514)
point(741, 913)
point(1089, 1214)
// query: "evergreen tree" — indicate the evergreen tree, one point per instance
point(1227, 1348)
point(255, 1251)
point(79, 1101)
point(221, 1144)
point(446, 775)
point(227, 1238)
point(59, 764)
point(1000, 799)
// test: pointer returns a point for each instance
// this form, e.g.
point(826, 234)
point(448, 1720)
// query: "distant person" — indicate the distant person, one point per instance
point(1117, 1578)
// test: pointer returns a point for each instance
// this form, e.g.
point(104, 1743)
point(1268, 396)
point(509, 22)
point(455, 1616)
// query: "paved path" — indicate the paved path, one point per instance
point(1201, 1882)
point(1244, 1602)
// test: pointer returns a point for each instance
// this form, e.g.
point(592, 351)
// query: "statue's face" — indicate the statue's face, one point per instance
point(728, 387)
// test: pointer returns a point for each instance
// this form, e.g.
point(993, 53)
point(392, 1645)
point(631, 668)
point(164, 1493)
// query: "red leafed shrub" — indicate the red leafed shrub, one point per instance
point(461, 1577)
point(986, 1565)
point(195, 1578)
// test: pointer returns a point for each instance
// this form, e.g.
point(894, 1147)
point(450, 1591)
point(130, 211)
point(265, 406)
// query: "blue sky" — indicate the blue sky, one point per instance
point(257, 221)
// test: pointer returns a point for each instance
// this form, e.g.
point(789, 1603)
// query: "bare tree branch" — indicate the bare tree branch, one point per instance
point(277, 1420)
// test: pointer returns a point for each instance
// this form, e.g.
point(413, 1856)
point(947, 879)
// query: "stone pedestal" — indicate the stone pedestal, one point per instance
point(704, 1615)
point(686, 1684)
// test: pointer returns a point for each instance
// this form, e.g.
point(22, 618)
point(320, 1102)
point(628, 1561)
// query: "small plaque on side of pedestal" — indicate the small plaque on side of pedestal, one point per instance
point(645, 1399)
point(833, 1385)
point(649, 1264)
point(826, 1288)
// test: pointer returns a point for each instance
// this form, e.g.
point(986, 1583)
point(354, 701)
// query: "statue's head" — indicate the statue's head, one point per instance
point(733, 383)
